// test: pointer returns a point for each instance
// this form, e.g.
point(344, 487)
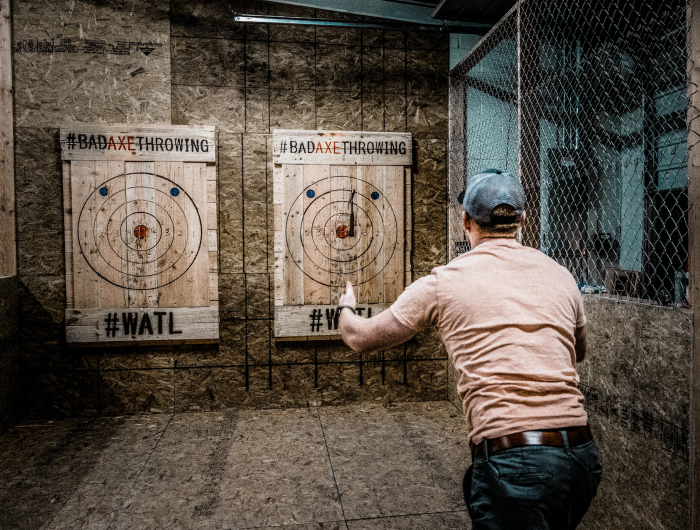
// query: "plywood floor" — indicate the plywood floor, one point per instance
point(351, 467)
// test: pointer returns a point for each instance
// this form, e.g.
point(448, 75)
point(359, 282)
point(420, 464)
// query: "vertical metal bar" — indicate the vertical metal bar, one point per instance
point(456, 158)
point(693, 69)
point(653, 282)
point(528, 118)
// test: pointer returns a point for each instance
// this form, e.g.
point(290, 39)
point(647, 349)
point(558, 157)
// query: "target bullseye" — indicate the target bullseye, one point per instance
point(141, 232)
point(342, 231)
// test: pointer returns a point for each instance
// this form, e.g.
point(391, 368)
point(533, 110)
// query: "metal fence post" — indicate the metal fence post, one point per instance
point(528, 118)
point(693, 65)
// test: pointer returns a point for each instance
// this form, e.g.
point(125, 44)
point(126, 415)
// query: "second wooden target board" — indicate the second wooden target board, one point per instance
point(341, 219)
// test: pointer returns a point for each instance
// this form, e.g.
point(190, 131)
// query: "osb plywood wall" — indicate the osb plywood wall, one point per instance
point(189, 63)
point(636, 380)
point(9, 354)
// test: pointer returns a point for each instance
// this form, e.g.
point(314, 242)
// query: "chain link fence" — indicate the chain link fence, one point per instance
point(586, 101)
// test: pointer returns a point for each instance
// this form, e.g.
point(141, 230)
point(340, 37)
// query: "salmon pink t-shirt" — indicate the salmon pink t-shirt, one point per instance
point(507, 315)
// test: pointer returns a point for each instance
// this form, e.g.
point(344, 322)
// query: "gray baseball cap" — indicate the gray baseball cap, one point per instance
point(491, 188)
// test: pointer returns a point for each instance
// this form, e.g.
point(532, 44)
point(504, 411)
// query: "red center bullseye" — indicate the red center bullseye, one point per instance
point(342, 231)
point(141, 232)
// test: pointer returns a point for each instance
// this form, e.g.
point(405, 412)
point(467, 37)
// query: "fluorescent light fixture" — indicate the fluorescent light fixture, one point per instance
point(269, 19)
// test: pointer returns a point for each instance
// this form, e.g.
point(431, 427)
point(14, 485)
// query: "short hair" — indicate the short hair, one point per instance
point(504, 222)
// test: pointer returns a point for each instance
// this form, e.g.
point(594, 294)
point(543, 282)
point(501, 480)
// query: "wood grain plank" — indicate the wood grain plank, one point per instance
point(210, 187)
point(293, 180)
point(152, 325)
point(394, 188)
point(211, 240)
point(341, 148)
point(169, 291)
point(84, 204)
point(137, 143)
point(293, 321)
point(408, 231)
point(316, 249)
point(343, 181)
point(110, 234)
point(278, 236)
point(408, 210)
point(95, 317)
point(213, 286)
point(142, 263)
point(8, 243)
point(112, 294)
point(371, 288)
point(212, 216)
point(197, 274)
point(68, 233)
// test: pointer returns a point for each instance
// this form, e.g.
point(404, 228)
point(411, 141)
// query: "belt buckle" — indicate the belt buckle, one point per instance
point(533, 438)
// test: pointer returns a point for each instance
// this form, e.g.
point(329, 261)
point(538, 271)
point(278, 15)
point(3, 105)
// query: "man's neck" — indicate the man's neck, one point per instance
point(477, 239)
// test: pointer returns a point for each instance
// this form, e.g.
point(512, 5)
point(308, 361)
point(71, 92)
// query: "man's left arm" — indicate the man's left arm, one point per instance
point(369, 334)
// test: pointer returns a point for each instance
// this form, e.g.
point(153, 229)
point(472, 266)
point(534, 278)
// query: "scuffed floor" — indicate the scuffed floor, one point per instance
point(351, 467)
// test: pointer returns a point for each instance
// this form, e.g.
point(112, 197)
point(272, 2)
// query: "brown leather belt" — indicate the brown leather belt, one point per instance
point(576, 436)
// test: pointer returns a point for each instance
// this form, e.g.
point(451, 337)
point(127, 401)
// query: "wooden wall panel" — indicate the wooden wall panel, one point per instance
point(8, 244)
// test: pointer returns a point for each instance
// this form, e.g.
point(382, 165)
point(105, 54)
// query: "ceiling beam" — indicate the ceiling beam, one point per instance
point(412, 12)
point(472, 10)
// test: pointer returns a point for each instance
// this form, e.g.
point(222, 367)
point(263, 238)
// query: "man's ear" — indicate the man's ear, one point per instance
point(465, 221)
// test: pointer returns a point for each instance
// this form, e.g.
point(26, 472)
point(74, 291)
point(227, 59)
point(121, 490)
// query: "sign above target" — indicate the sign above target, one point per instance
point(141, 252)
point(340, 215)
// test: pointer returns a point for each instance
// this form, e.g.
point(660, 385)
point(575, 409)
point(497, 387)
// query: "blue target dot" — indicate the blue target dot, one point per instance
point(311, 194)
point(375, 195)
point(174, 192)
point(103, 192)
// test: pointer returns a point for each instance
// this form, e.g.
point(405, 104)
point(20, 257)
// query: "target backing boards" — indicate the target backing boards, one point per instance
point(141, 234)
point(342, 213)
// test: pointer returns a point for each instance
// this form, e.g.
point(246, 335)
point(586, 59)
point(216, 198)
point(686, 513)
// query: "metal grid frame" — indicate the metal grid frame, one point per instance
point(587, 101)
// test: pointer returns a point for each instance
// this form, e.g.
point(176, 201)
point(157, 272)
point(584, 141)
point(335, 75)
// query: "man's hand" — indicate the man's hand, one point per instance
point(348, 298)
point(369, 334)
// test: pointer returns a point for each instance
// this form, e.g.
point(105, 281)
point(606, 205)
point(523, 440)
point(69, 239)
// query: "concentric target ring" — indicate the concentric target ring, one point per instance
point(124, 233)
point(133, 227)
point(328, 228)
point(155, 258)
point(374, 243)
point(164, 215)
point(331, 245)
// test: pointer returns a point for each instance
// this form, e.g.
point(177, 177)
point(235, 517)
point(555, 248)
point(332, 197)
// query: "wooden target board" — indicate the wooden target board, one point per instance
point(341, 201)
point(141, 234)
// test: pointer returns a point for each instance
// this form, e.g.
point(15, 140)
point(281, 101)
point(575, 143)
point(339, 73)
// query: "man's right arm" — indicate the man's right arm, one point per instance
point(580, 344)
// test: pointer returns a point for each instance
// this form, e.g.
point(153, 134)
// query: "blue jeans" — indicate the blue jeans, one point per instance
point(532, 487)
